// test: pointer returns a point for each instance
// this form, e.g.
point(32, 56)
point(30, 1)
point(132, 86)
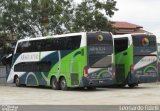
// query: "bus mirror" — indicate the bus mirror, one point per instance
point(125, 53)
point(82, 52)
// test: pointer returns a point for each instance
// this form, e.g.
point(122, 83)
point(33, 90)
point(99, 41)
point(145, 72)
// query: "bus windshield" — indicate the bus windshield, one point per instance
point(144, 45)
point(100, 48)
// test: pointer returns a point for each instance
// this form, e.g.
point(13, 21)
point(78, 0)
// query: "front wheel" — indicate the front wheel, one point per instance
point(63, 84)
point(17, 81)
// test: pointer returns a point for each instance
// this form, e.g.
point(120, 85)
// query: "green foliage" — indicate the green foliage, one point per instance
point(23, 18)
point(50, 16)
point(14, 17)
point(89, 16)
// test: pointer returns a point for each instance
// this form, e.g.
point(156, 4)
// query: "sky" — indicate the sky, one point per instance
point(145, 13)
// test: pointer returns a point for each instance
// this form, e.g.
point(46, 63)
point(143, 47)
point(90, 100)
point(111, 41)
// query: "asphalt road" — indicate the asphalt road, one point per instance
point(148, 94)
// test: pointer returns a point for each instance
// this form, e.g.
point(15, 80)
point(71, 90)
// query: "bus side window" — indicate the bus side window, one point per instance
point(19, 48)
point(121, 44)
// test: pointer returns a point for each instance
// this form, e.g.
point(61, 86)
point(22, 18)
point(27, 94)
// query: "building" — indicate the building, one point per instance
point(127, 28)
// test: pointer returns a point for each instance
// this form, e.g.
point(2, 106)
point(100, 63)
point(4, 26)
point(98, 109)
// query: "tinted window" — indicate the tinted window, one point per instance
point(33, 67)
point(120, 44)
point(63, 43)
point(99, 61)
point(23, 46)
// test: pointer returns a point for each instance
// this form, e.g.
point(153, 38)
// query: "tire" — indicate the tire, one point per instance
point(54, 83)
point(91, 88)
point(132, 85)
point(17, 81)
point(121, 85)
point(63, 84)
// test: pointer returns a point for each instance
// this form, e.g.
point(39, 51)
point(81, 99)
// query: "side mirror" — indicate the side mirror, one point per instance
point(7, 59)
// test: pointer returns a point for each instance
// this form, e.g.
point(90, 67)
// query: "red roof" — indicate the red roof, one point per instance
point(117, 24)
point(142, 31)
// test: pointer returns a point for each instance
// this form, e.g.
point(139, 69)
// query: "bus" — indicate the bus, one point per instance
point(135, 59)
point(65, 61)
point(158, 46)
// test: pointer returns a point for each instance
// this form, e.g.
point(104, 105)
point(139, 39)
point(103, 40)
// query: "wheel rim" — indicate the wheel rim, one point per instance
point(53, 84)
point(63, 84)
point(17, 81)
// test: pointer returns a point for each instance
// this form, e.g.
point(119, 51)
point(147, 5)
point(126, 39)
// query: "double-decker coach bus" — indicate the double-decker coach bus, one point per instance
point(61, 61)
point(135, 59)
point(158, 46)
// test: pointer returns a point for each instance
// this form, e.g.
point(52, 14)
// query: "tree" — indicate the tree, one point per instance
point(32, 18)
point(14, 18)
point(89, 15)
point(50, 16)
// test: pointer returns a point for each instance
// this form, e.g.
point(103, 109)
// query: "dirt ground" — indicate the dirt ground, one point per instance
point(148, 94)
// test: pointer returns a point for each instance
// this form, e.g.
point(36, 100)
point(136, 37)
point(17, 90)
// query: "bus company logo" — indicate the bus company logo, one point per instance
point(145, 42)
point(100, 37)
point(30, 57)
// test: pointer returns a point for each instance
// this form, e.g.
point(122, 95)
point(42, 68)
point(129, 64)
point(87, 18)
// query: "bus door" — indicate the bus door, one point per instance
point(144, 58)
point(121, 59)
point(100, 65)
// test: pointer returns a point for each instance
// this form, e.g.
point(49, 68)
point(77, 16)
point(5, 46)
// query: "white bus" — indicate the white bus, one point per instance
point(61, 61)
point(158, 47)
point(135, 58)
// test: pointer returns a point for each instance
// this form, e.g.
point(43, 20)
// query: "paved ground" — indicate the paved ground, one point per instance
point(144, 94)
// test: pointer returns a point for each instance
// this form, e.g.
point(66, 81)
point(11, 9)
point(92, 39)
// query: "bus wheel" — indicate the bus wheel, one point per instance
point(132, 85)
point(54, 83)
point(121, 85)
point(63, 84)
point(17, 81)
point(91, 88)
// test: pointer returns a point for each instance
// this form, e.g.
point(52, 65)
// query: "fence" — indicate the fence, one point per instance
point(3, 74)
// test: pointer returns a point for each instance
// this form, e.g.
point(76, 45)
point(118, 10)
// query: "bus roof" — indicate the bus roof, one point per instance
point(57, 36)
point(129, 35)
point(53, 36)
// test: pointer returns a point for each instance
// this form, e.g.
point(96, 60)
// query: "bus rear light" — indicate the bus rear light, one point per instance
point(132, 69)
point(85, 71)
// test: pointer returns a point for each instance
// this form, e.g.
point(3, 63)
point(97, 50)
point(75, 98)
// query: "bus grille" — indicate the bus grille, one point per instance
point(120, 73)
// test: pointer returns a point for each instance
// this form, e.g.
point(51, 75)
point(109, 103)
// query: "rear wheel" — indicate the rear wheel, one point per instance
point(132, 85)
point(91, 88)
point(54, 83)
point(63, 84)
point(121, 85)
